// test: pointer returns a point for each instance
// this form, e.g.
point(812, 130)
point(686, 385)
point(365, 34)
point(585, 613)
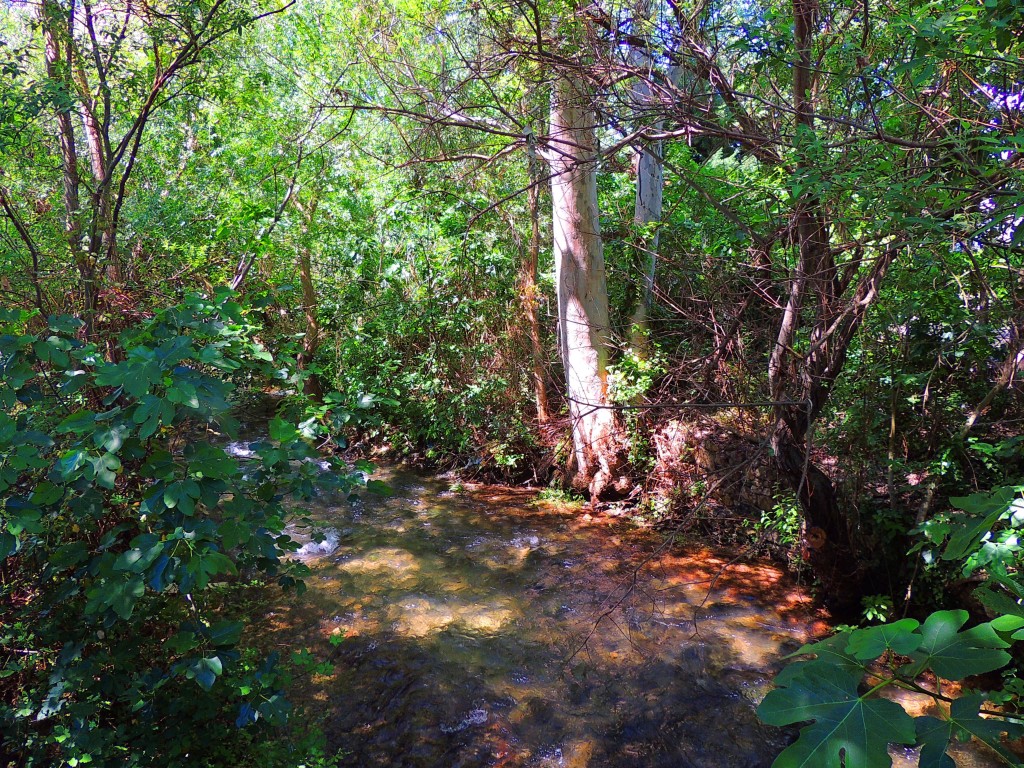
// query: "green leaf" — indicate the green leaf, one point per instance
point(963, 723)
point(379, 487)
point(9, 544)
point(80, 423)
point(22, 519)
point(112, 438)
point(140, 377)
point(984, 511)
point(46, 494)
point(119, 593)
point(182, 642)
point(105, 468)
point(272, 456)
point(1007, 623)
point(848, 729)
point(225, 633)
point(275, 709)
point(68, 555)
point(183, 393)
point(872, 642)
point(208, 461)
point(160, 466)
point(213, 356)
point(234, 532)
point(148, 406)
point(73, 381)
point(53, 350)
point(145, 550)
point(158, 577)
point(65, 324)
point(214, 563)
point(955, 655)
point(205, 671)
point(182, 494)
point(208, 564)
point(282, 431)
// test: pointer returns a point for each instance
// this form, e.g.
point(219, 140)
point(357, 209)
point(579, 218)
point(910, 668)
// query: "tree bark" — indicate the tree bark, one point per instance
point(828, 541)
point(650, 189)
point(58, 70)
point(311, 340)
point(650, 182)
point(599, 461)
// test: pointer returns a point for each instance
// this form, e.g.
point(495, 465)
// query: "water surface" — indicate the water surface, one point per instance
point(484, 629)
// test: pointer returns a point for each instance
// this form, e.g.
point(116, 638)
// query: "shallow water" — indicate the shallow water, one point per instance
point(483, 629)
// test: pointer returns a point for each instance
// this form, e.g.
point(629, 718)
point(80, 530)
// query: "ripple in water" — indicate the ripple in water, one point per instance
point(603, 649)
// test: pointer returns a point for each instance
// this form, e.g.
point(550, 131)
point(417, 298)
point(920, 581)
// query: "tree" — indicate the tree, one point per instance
point(457, 96)
point(854, 162)
point(583, 323)
point(91, 64)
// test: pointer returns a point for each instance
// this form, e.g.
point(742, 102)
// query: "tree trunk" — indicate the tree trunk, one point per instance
point(650, 186)
point(650, 182)
point(599, 461)
point(311, 340)
point(828, 546)
point(58, 69)
point(800, 385)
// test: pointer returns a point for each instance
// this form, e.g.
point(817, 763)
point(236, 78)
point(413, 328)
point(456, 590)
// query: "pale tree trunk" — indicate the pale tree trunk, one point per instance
point(598, 447)
point(650, 186)
point(650, 182)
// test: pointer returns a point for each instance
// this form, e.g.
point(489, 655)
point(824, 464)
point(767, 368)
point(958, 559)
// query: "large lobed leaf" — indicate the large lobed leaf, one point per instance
point(963, 723)
point(954, 655)
point(848, 730)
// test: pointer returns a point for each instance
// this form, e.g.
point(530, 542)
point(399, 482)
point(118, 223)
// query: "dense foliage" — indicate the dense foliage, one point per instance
point(204, 199)
point(126, 525)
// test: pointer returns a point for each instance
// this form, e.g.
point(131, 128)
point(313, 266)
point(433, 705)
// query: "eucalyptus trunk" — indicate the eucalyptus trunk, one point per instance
point(598, 457)
point(650, 190)
point(650, 183)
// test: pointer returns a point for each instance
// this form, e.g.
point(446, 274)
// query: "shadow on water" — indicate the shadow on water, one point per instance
point(482, 630)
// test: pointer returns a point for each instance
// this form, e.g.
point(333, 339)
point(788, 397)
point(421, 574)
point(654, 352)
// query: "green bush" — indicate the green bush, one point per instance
point(836, 688)
point(122, 528)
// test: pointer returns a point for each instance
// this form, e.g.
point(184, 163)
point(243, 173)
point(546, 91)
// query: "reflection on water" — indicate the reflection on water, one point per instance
point(482, 630)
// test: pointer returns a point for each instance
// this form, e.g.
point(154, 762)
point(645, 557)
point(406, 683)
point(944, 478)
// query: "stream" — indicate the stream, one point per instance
point(484, 628)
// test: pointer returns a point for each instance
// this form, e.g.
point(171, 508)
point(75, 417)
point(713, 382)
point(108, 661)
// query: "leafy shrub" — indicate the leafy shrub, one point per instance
point(837, 688)
point(438, 381)
point(852, 726)
point(120, 526)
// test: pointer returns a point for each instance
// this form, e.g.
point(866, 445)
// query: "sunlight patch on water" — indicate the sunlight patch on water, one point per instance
point(382, 561)
point(420, 615)
point(752, 647)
